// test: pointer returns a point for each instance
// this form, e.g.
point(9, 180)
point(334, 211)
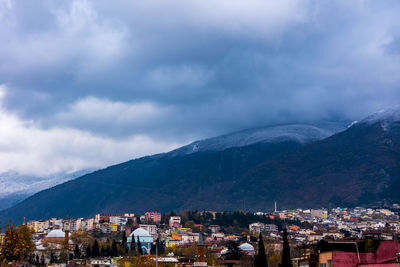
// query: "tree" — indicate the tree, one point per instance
point(64, 256)
point(108, 251)
point(139, 246)
point(77, 252)
point(161, 248)
point(103, 252)
point(42, 260)
point(81, 238)
point(234, 252)
point(52, 258)
point(286, 261)
point(88, 252)
point(17, 243)
point(26, 234)
point(133, 246)
point(32, 258)
point(124, 241)
point(95, 249)
point(114, 249)
point(261, 258)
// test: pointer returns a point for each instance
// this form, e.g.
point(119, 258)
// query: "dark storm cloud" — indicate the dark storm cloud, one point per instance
point(181, 70)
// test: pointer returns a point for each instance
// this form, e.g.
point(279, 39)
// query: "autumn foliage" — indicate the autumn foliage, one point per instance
point(17, 244)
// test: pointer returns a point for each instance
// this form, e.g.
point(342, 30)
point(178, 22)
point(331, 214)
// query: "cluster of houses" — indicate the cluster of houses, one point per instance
point(336, 223)
point(338, 234)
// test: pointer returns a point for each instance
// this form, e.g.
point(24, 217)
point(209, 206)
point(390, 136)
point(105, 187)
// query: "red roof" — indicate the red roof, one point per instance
point(386, 252)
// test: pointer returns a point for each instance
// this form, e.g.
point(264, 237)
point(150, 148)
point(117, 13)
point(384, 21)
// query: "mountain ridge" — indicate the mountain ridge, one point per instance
point(321, 173)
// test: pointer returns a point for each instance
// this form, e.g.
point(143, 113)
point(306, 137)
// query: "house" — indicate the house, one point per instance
point(218, 236)
point(259, 227)
point(118, 220)
point(153, 217)
point(214, 228)
point(104, 217)
point(173, 241)
point(190, 238)
point(151, 229)
point(270, 228)
point(351, 253)
point(107, 227)
point(175, 221)
point(256, 227)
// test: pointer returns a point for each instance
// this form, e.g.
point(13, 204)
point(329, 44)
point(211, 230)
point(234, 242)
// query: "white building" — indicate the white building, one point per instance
point(190, 238)
point(151, 229)
point(175, 221)
point(119, 220)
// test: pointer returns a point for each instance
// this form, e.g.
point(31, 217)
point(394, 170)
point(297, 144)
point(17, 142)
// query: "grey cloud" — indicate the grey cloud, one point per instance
point(215, 67)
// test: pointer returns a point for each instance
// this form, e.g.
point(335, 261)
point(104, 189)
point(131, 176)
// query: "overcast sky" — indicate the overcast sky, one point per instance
point(85, 84)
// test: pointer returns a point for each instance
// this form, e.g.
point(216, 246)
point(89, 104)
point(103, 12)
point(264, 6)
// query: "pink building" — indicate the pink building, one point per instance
point(153, 217)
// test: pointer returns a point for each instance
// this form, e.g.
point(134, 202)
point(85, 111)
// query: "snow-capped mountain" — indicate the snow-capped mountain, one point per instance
point(15, 187)
point(301, 133)
point(389, 115)
point(359, 165)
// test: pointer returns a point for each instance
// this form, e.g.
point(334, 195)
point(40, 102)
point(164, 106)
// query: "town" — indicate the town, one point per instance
point(316, 237)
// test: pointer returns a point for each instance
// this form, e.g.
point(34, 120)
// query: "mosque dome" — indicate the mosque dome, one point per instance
point(140, 232)
point(56, 233)
point(246, 247)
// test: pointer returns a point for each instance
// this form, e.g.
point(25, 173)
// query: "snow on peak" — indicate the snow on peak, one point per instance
point(388, 115)
point(302, 133)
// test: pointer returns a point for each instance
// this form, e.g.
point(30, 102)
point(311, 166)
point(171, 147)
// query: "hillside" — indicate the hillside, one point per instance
point(165, 181)
point(15, 187)
point(358, 166)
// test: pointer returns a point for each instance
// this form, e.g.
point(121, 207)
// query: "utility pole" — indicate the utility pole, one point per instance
point(157, 248)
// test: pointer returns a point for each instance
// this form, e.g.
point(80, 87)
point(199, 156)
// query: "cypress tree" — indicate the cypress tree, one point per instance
point(95, 249)
point(124, 240)
point(108, 251)
point(286, 261)
point(133, 246)
point(139, 245)
point(77, 252)
point(114, 249)
point(88, 252)
point(42, 260)
point(261, 258)
point(32, 258)
point(52, 259)
point(161, 250)
point(103, 252)
point(234, 252)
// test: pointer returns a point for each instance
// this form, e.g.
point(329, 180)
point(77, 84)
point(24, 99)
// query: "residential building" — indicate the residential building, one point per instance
point(153, 217)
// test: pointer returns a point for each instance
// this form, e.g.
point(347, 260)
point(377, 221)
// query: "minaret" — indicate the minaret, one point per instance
point(275, 207)
point(200, 257)
point(67, 229)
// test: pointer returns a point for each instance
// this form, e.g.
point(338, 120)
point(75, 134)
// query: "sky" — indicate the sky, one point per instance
point(85, 84)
